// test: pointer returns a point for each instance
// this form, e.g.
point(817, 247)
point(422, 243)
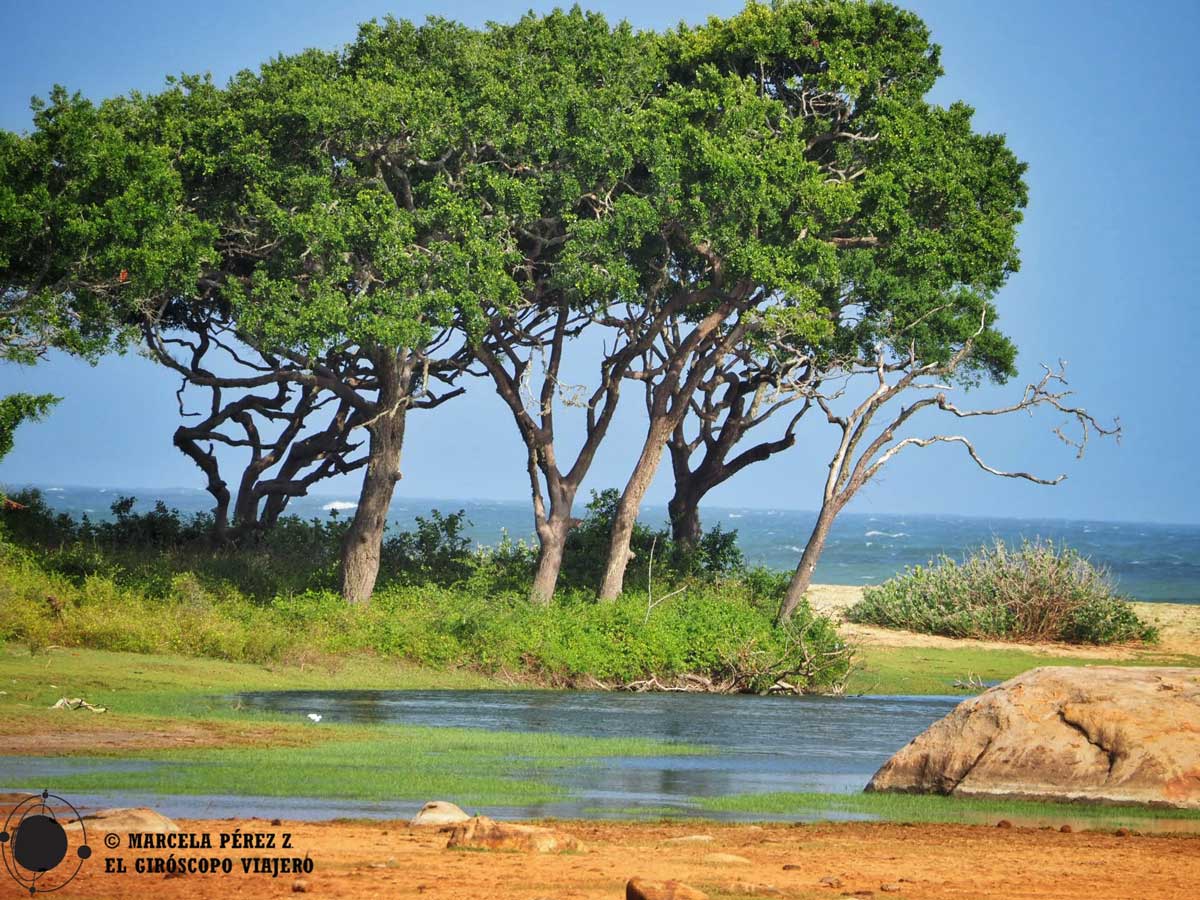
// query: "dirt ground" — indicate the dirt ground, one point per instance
point(1179, 624)
point(382, 859)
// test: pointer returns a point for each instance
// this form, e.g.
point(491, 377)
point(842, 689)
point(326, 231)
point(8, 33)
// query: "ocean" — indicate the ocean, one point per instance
point(1148, 561)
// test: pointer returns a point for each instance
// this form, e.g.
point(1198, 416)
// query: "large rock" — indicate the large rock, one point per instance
point(644, 889)
point(482, 833)
point(126, 819)
point(1094, 733)
point(438, 812)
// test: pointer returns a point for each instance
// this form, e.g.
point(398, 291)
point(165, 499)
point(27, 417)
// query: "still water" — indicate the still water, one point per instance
point(758, 744)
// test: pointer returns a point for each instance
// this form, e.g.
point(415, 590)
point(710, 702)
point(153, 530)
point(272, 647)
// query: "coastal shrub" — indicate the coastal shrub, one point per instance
point(717, 633)
point(1039, 592)
point(715, 554)
point(148, 549)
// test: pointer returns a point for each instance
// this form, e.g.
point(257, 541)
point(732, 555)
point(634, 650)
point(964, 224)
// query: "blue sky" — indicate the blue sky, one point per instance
point(1097, 97)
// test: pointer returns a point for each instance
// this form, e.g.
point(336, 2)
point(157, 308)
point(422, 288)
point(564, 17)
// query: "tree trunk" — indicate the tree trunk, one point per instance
point(684, 511)
point(364, 540)
point(619, 553)
point(802, 577)
point(552, 540)
point(185, 440)
point(245, 509)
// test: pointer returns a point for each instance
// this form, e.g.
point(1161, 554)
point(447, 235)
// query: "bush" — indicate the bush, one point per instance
point(156, 582)
point(1040, 592)
point(721, 635)
point(716, 554)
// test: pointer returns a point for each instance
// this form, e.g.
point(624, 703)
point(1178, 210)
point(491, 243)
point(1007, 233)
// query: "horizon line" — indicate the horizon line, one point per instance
point(134, 491)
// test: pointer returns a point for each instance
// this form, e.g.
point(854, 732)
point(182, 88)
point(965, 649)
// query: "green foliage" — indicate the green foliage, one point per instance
point(1037, 593)
point(18, 408)
point(449, 608)
point(716, 554)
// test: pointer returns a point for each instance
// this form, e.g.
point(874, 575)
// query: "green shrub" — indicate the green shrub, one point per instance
point(1040, 592)
point(721, 632)
point(156, 582)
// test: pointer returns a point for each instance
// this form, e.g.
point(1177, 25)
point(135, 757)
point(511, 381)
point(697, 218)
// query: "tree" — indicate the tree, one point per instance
point(821, 190)
point(866, 444)
point(742, 392)
point(579, 93)
point(355, 220)
point(48, 203)
point(18, 408)
point(286, 453)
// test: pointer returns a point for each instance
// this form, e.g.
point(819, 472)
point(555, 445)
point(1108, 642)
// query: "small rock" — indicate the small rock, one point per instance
point(750, 889)
point(438, 812)
point(299, 886)
point(787, 867)
point(831, 881)
point(277, 821)
point(690, 839)
point(1004, 823)
point(125, 820)
point(643, 889)
point(482, 833)
point(1122, 832)
point(726, 859)
point(890, 888)
point(1066, 829)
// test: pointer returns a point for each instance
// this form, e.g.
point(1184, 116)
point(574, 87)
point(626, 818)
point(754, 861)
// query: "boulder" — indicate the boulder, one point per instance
point(438, 812)
point(643, 889)
point(1104, 734)
point(482, 833)
point(124, 820)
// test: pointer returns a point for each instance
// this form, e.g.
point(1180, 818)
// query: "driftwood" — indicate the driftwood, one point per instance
point(78, 703)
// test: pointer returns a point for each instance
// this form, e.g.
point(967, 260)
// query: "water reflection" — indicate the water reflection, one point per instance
point(763, 744)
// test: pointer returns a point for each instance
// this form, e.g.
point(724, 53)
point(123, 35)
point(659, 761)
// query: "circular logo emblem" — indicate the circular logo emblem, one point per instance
point(35, 846)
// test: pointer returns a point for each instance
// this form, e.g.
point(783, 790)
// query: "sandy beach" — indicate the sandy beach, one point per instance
point(388, 859)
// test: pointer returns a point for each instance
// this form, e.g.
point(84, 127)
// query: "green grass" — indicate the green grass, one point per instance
point(724, 630)
point(934, 670)
point(393, 762)
point(928, 808)
point(285, 758)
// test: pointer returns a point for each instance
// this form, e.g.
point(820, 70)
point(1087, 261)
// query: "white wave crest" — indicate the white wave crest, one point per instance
point(339, 505)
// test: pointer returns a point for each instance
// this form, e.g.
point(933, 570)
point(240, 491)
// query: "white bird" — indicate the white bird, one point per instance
point(315, 717)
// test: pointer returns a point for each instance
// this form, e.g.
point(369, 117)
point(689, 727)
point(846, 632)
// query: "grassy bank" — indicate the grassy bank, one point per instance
point(153, 583)
point(178, 715)
point(926, 808)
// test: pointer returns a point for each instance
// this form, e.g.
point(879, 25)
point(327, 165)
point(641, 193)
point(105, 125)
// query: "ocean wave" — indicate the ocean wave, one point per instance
point(898, 534)
point(340, 505)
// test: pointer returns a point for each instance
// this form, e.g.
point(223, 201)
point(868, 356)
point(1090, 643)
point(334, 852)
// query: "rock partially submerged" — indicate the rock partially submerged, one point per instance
point(438, 812)
point(482, 833)
point(138, 819)
point(1103, 734)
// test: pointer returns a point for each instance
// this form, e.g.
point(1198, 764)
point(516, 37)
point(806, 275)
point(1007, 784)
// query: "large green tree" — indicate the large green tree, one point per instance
point(356, 219)
point(66, 189)
point(822, 197)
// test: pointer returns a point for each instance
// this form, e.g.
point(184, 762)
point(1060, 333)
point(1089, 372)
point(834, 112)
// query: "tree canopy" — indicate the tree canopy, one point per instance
point(357, 232)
